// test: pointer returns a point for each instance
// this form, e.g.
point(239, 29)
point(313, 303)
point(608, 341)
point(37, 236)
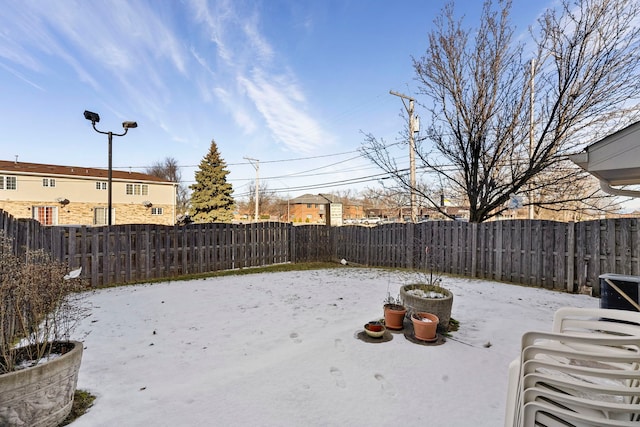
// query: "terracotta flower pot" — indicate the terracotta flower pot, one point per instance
point(394, 316)
point(425, 326)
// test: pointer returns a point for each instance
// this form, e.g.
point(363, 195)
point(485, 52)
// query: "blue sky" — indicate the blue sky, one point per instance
point(291, 83)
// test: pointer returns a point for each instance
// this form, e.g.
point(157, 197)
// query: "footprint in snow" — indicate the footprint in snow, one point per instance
point(386, 386)
point(337, 375)
point(295, 337)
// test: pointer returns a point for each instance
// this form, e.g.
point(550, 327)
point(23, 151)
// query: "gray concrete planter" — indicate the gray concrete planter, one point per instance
point(40, 396)
point(441, 307)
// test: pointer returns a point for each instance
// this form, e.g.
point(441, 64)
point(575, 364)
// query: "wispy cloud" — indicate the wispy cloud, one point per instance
point(108, 44)
point(279, 100)
point(250, 69)
point(22, 77)
point(13, 52)
point(31, 37)
point(214, 22)
point(151, 56)
point(259, 45)
point(240, 114)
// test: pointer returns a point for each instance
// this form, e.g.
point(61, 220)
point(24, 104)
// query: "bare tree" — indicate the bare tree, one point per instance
point(372, 200)
point(346, 197)
point(484, 141)
point(582, 197)
point(268, 202)
point(169, 170)
point(394, 202)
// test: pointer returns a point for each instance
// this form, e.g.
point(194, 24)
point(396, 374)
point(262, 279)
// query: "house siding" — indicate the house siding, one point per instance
point(83, 213)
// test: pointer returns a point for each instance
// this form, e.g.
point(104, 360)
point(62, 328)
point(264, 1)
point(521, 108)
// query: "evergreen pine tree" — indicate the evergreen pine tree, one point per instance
point(211, 199)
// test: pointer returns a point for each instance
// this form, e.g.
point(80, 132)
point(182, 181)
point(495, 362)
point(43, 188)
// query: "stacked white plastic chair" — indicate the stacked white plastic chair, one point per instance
point(584, 373)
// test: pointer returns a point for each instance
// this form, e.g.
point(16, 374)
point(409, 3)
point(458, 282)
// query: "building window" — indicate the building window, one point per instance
point(101, 185)
point(46, 215)
point(48, 182)
point(308, 205)
point(157, 211)
point(100, 216)
point(137, 189)
point(8, 183)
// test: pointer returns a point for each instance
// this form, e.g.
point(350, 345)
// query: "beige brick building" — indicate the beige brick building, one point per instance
point(72, 195)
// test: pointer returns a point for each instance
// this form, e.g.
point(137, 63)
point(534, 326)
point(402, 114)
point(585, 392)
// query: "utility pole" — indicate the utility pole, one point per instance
point(414, 126)
point(257, 167)
point(531, 120)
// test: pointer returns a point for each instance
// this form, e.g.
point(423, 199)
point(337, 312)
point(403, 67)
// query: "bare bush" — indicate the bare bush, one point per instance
point(39, 307)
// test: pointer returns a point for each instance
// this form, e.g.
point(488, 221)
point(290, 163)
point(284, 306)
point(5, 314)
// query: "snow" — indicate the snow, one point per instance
point(423, 294)
point(282, 349)
point(31, 363)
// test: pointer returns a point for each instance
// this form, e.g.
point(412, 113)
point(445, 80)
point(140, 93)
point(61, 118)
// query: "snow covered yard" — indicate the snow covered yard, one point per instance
point(281, 349)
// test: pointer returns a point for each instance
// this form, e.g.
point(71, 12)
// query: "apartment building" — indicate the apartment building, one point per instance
point(73, 195)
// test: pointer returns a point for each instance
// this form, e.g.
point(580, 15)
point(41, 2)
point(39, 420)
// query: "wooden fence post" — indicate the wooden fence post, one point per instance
point(498, 250)
point(571, 255)
point(292, 243)
point(474, 249)
point(411, 232)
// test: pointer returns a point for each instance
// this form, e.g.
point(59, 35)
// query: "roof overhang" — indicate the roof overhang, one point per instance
point(614, 160)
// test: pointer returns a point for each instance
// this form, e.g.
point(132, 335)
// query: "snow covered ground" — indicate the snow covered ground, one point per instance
point(282, 349)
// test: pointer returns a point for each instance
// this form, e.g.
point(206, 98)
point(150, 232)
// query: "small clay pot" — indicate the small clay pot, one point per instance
point(369, 329)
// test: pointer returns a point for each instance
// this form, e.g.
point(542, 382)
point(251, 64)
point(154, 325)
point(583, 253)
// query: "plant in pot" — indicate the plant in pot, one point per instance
point(38, 363)
point(425, 326)
point(375, 329)
point(394, 312)
point(428, 296)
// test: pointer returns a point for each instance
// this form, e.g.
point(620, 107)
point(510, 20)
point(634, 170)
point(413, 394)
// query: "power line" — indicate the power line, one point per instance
point(360, 180)
point(295, 159)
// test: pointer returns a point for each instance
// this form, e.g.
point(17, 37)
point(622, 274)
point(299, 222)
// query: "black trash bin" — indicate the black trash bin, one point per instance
point(611, 298)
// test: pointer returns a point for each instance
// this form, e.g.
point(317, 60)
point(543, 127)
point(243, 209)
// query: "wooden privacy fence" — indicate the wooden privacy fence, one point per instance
point(25, 234)
point(134, 253)
point(554, 255)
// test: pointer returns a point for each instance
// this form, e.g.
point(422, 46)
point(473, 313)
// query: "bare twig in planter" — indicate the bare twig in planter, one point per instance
point(39, 306)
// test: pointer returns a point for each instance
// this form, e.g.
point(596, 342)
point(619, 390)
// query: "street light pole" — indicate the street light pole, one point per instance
point(109, 176)
point(95, 118)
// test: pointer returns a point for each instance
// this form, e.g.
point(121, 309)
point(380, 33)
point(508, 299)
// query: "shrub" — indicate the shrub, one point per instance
point(39, 307)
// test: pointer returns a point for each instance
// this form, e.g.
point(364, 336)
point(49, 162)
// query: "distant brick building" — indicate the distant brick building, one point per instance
point(310, 208)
